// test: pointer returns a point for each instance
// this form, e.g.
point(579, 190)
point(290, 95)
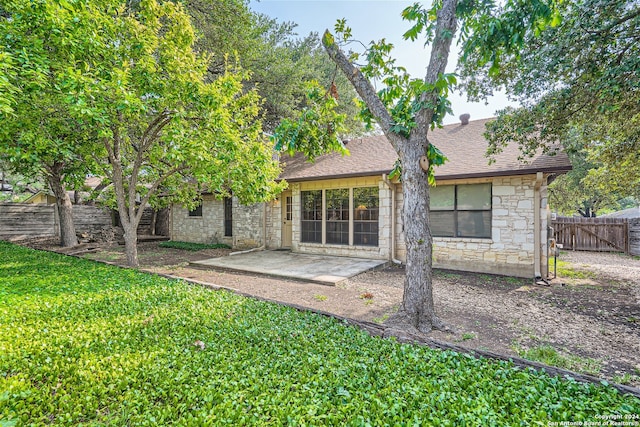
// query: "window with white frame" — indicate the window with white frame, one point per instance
point(311, 216)
point(337, 216)
point(350, 216)
point(365, 216)
point(461, 210)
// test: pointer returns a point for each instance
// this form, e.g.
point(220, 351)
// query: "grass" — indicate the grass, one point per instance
point(468, 336)
point(565, 270)
point(382, 318)
point(188, 246)
point(550, 356)
point(89, 344)
point(320, 297)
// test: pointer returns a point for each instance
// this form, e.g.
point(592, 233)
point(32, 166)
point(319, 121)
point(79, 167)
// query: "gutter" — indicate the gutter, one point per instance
point(536, 227)
point(392, 250)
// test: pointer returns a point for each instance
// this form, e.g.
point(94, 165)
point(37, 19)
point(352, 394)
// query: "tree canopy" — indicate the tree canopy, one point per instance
point(121, 90)
point(576, 76)
point(40, 138)
point(281, 63)
point(167, 131)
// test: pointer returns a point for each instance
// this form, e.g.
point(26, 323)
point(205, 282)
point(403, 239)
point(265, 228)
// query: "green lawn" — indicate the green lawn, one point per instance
point(89, 344)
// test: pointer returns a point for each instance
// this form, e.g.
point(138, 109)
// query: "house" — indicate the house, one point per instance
point(625, 213)
point(489, 218)
point(77, 197)
point(41, 197)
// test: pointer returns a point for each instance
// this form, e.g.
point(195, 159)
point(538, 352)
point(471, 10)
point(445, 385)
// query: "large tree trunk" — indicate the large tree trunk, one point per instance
point(131, 242)
point(129, 218)
point(68, 236)
point(417, 309)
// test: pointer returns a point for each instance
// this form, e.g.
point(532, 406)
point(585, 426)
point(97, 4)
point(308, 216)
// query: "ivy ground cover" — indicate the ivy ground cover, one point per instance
point(88, 344)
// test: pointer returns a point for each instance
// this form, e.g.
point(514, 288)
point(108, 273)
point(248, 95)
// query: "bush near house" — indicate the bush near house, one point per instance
point(84, 344)
point(188, 246)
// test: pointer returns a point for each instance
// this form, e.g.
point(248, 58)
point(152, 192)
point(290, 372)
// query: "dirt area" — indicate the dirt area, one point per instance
point(587, 320)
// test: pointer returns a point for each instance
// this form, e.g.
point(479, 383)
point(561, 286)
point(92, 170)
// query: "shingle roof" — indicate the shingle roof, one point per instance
point(464, 145)
point(626, 213)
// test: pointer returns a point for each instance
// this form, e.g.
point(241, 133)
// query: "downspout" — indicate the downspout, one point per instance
point(536, 227)
point(392, 251)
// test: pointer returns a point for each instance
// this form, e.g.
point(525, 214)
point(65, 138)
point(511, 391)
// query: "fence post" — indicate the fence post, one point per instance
point(56, 220)
point(627, 247)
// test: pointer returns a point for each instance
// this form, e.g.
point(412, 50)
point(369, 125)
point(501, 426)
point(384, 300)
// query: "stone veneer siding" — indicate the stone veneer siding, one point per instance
point(209, 228)
point(274, 223)
point(510, 250)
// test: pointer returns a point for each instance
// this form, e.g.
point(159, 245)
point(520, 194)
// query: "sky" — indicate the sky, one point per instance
point(373, 20)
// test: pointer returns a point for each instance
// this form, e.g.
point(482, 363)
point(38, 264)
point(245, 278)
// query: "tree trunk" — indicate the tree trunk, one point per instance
point(417, 309)
point(68, 236)
point(131, 242)
point(417, 302)
point(129, 220)
point(154, 218)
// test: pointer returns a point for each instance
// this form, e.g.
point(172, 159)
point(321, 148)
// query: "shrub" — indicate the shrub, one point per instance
point(188, 246)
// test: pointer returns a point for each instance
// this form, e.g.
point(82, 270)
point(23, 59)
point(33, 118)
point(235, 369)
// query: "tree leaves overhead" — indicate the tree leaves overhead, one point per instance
point(117, 88)
point(280, 61)
point(317, 128)
point(574, 69)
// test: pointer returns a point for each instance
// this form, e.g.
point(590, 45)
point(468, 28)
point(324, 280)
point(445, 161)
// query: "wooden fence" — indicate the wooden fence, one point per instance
point(594, 234)
point(18, 220)
point(24, 220)
point(28, 220)
point(634, 236)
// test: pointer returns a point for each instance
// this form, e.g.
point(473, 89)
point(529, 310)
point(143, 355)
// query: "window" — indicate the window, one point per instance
point(365, 216)
point(197, 211)
point(288, 208)
point(461, 211)
point(228, 216)
point(312, 216)
point(338, 216)
point(347, 216)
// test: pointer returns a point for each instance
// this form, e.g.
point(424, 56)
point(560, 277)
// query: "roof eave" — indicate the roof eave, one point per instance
point(556, 169)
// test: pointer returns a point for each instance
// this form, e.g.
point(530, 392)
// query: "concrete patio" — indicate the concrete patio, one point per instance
point(326, 270)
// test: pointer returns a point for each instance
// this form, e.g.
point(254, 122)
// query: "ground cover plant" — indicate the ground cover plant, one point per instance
point(84, 343)
point(188, 246)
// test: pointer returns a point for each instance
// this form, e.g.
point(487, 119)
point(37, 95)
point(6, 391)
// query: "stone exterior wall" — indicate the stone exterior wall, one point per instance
point(382, 251)
point(510, 250)
point(274, 223)
point(247, 228)
point(248, 225)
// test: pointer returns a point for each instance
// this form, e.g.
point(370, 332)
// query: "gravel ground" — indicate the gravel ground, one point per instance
point(615, 267)
point(618, 267)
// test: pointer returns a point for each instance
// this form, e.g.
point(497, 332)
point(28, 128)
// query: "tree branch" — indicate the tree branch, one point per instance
point(633, 14)
point(155, 186)
point(153, 130)
point(361, 84)
point(445, 29)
